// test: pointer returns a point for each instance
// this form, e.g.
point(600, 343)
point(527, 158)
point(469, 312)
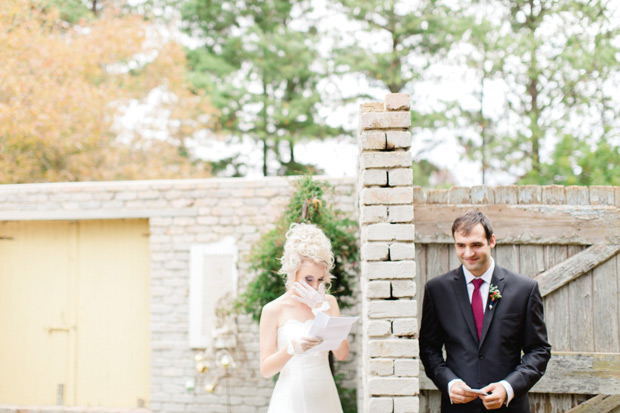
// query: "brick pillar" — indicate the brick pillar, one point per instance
point(389, 342)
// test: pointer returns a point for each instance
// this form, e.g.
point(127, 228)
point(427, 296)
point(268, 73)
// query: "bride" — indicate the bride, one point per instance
point(305, 384)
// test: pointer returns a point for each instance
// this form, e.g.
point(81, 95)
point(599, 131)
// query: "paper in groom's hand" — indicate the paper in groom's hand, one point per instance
point(333, 330)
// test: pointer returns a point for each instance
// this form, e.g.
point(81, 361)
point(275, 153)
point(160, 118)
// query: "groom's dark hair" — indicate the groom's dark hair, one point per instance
point(466, 222)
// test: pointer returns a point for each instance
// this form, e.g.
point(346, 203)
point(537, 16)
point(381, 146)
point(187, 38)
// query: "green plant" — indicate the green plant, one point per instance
point(348, 395)
point(306, 205)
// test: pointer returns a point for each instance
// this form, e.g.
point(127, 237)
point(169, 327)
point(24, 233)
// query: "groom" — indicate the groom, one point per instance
point(485, 316)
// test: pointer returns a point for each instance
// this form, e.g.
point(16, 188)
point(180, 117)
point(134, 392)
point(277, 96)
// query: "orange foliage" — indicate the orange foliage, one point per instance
point(60, 92)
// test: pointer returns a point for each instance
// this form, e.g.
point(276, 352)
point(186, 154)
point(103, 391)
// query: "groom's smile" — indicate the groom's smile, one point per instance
point(474, 250)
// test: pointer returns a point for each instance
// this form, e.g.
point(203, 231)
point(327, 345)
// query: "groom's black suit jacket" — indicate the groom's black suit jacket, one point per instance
point(512, 324)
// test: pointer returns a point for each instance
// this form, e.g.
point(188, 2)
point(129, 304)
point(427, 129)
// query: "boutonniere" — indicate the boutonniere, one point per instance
point(494, 294)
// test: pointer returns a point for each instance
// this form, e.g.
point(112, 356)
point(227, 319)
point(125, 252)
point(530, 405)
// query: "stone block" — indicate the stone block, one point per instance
point(388, 270)
point(406, 404)
point(400, 213)
point(379, 328)
point(402, 251)
point(400, 177)
point(405, 327)
point(381, 367)
point(389, 196)
point(377, 289)
point(397, 101)
point(380, 405)
point(389, 232)
point(374, 177)
point(372, 141)
point(403, 288)
point(398, 140)
point(395, 159)
point(407, 367)
point(385, 120)
point(396, 347)
point(392, 308)
point(393, 386)
point(371, 214)
point(375, 251)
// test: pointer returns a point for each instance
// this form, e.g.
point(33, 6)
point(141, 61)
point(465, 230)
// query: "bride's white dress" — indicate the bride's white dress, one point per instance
point(305, 384)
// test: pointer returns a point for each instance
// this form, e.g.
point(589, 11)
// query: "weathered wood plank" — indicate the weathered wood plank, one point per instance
point(581, 330)
point(460, 195)
point(605, 307)
point(555, 403)
point(571, 372)
point(577, 195)
point(506, 194)
point(602, 195)
point(430, 401)
point(553, 194)
point(507, 256)
point(556, 303)
point(421, 252)
point(482, 194)
point(531, 260)
point(525, 224)
point(603, 403)
point(574, 267)
point(530, 194)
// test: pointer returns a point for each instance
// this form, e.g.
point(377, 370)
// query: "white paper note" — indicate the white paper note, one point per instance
point(331, 329)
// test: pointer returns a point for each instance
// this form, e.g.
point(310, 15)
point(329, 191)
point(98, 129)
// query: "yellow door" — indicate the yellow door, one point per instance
point(74, 312)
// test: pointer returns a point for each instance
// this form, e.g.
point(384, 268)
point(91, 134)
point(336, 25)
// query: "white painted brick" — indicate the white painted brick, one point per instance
point(405, 327)
point(378, 328)
point(397, 101)
point(388, 269)
point(392, 308)
point(407, 367)
point(395, 159)
point(400, 213)
point(406, 404)
point(402, 251)
point(400, 177)
point(397, 347)
point(372, 141)
point(389, 196)
point(398, 140)
point(380, 405)
point(381, 367)
point(385, 120)
point(377, 289)
point(403, 288)
point(373, 214)
point(375, 251)
point(393, 386)
point(389, 232)
point(374, 177)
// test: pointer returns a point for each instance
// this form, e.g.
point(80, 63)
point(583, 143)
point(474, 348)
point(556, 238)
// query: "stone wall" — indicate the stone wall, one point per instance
point(181, 213)
point(389, 333)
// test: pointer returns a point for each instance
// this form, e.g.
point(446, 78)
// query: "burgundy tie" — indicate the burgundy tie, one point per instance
point(476, 305)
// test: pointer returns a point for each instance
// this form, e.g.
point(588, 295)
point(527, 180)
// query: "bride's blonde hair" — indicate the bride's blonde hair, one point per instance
point(305, 242)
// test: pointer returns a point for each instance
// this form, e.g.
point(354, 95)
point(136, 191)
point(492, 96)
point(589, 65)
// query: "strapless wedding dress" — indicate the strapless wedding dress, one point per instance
point(305, 384)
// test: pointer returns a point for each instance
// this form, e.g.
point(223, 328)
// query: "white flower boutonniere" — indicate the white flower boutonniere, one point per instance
point(494, 294)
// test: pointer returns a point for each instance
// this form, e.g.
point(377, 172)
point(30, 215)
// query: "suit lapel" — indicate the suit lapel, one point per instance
point(462, 297)
point(489, 313)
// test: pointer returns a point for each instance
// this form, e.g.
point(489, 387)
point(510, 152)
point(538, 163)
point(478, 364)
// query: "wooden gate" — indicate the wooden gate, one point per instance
point(567, 238)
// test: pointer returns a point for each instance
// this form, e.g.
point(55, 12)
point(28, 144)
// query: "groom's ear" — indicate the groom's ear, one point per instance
point(492, 241)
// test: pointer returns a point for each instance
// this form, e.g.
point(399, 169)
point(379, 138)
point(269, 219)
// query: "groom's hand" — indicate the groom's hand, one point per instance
point(496, 399)
point(459, 394)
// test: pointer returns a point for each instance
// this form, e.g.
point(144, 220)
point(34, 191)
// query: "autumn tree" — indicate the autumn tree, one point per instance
point(62, 87)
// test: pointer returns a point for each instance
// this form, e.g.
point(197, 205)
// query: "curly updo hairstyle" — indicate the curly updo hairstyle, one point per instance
point(305, 242)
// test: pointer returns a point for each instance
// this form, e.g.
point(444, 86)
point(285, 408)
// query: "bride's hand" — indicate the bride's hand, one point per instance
point(302, 345)
point(314, 299)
